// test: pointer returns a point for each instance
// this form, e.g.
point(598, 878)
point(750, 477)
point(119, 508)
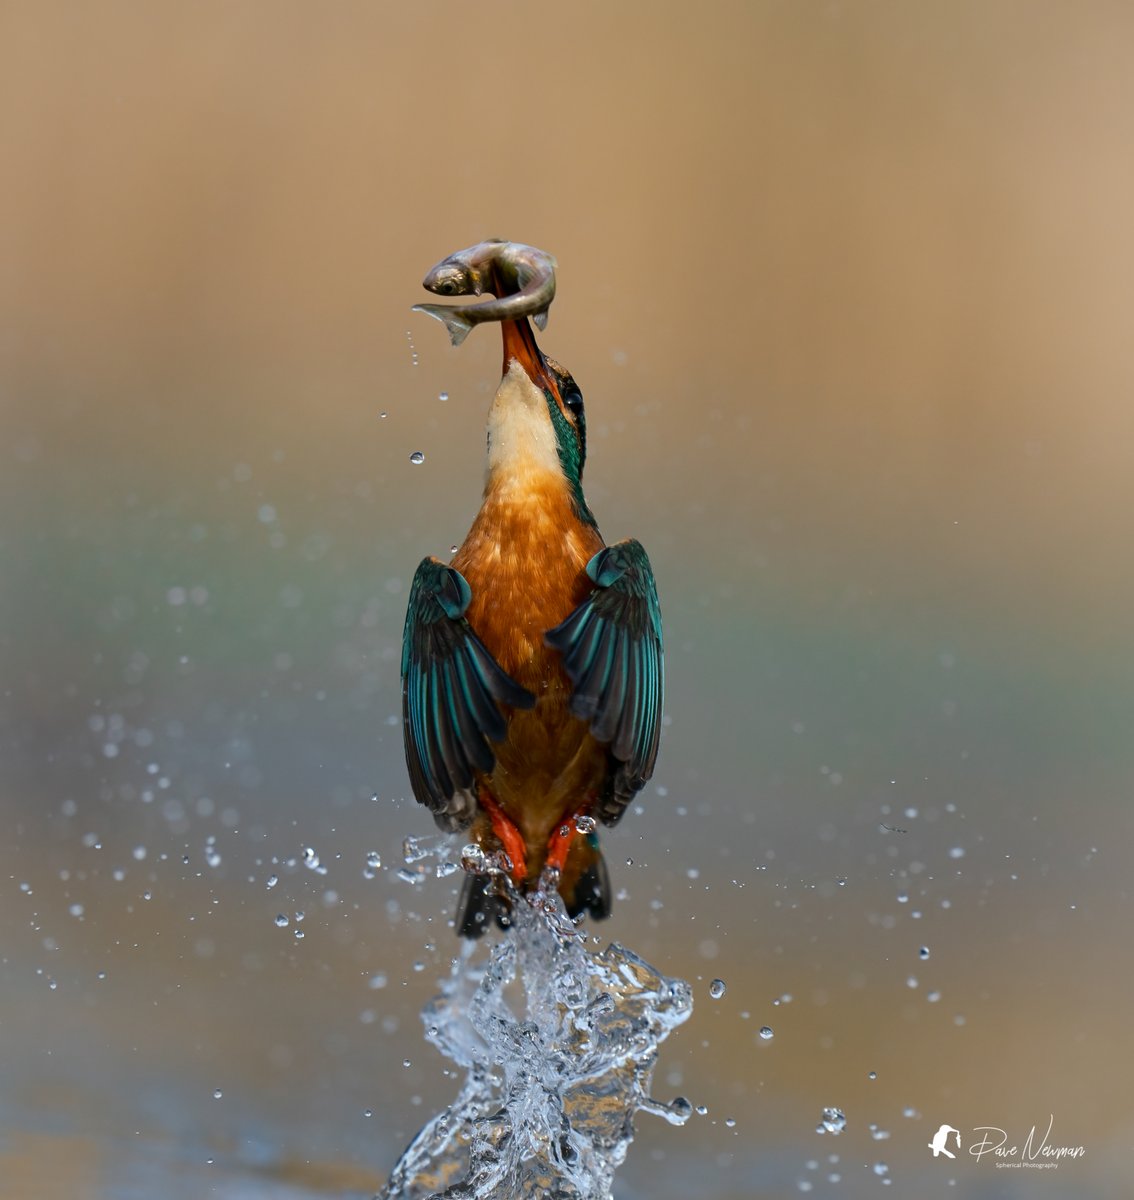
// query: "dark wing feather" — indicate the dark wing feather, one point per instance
point(612, 653)
point(452, 688)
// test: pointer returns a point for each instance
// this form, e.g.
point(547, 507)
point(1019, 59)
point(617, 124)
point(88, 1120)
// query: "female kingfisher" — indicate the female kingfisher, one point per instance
point(532, 671)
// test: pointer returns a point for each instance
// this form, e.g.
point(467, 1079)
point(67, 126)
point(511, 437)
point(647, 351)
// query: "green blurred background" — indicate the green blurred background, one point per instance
point(848, 288)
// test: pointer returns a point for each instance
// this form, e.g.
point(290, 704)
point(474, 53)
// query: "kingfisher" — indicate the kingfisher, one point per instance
point(532, 663)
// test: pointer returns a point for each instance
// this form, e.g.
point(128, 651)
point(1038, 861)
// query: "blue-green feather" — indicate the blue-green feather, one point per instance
point(612, 652)
point(452, 689)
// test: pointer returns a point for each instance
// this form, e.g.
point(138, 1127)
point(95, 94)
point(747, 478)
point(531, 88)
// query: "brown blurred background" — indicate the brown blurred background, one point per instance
point(848, 288)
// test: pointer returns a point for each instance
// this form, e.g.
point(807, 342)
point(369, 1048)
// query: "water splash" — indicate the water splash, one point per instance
point(559, 1043)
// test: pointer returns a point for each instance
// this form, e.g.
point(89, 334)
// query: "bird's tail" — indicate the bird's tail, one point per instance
point(451, 316)
point(481, 903)
point(592, 893)
point(485, 901)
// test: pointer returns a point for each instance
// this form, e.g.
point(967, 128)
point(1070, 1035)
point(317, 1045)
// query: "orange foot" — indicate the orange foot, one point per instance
point(559, 844)
point(510, 837)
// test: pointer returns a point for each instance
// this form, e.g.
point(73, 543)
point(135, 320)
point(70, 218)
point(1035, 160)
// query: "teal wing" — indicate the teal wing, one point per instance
point(452, 689)
point(612, 653)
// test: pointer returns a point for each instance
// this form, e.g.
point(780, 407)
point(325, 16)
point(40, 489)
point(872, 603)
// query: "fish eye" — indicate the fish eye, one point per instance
point(448, 287)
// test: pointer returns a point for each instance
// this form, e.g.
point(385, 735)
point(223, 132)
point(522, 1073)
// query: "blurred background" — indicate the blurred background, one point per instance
point(848, 289)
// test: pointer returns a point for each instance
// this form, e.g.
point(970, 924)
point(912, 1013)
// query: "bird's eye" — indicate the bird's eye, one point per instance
point(573, 399)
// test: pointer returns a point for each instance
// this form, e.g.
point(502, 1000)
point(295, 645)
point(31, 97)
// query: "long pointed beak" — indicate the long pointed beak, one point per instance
point(520, 344)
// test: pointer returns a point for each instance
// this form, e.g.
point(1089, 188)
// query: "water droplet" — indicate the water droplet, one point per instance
point(923, 952)
point(872, 1075)
point(406, 1062)
point(417, 458)
point(310, 859)
point(585, 824)
point(881, 1169)
point(717, 989)
point(282, 921)
point(681, 1109)
point(730, 1122)
point(217, 1093)
point(473, 859)
point(767, 1033)
point(702, 1110)
point(272, 881)
point(368, 1112)
point(443, 396)
point(76, 910)
point(414, 849)
point(383, 415)
point(374, 860)
point(298, 934)
point(832, 1120)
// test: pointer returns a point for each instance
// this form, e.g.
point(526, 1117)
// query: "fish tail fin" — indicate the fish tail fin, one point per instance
point(540, 320)
point(454, 321)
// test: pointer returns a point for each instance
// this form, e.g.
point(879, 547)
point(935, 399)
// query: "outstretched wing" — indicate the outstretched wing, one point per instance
point(612, 652)
point(451, 691)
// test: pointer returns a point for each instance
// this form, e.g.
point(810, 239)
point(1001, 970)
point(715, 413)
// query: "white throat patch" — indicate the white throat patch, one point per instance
point(521, 438)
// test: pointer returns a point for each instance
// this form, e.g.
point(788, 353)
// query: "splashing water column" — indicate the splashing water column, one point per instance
point(548, 1102)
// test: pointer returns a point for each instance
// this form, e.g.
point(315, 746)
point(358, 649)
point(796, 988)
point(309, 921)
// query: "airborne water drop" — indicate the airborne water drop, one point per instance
point(832, 1120)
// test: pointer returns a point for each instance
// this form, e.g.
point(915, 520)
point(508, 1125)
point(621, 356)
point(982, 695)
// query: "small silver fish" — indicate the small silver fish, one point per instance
point(524, 276)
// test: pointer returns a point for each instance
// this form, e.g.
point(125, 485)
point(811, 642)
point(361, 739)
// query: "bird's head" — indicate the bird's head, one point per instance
point(536, 423)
